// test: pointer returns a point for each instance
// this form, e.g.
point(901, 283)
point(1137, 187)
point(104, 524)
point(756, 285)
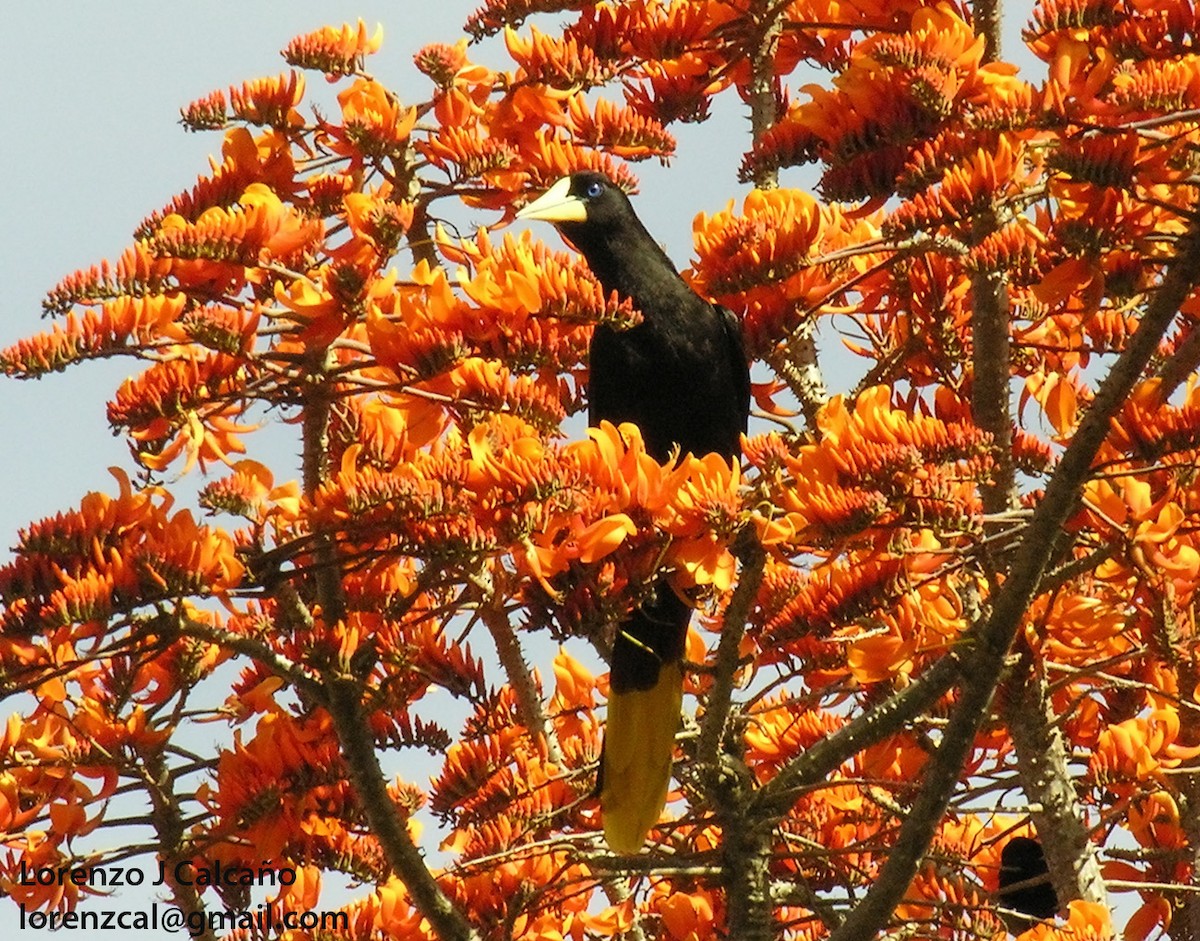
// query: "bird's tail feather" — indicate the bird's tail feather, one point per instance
point(639, 742)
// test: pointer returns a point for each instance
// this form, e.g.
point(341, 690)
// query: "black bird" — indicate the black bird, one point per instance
point(681, 376)
point(1025, 885)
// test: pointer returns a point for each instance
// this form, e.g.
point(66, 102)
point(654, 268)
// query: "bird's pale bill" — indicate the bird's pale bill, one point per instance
point(557, 204)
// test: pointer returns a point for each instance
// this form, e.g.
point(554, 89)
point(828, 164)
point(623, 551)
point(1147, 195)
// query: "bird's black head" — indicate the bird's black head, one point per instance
point(593, 214)
point(584, 200)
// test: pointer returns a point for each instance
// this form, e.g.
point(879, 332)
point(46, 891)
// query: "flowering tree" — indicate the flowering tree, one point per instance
point(951, 605)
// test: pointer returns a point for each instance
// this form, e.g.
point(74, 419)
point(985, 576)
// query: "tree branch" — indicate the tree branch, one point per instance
point(745, 856)
point(387, 824)
point(767, 17)
point(318, 403)
point(795, 362)
point(733, 627)
point(342, 694)
point(1170, 637)
point(1041, 754)
point(1181, 364)
point(987, 15)
point(253, 648)
point(520, 677)
point(989, 387)
point(167, 820)
point(1046, 779)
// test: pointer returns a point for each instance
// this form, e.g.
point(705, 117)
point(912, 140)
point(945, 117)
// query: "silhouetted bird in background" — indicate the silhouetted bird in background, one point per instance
point(681, 376)
point(1021, 861)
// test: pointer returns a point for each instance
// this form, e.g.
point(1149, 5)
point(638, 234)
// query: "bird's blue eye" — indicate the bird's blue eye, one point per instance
point(593, 189)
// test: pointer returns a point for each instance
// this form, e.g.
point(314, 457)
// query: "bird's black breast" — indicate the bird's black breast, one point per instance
point(680, 375)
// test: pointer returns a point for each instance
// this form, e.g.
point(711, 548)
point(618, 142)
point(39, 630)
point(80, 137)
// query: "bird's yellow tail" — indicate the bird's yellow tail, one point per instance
point(639, 741)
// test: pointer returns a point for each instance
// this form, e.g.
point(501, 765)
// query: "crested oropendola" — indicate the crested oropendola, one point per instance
point(681, 376)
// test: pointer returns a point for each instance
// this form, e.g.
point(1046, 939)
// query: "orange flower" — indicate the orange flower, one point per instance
point(222, 241)
point(205, 114)
point(333, 50)
point(136, 272)
point(770, 241)
point(575, 686)
point(378, 222)
point(125, 319)
point(965, 190)
point(449, 65)
point(686, 916)
point(1086, 921)
point(270, 101)
point(1140, 749)
point(781, 727)
point(374, 122)
point(618, 130)
point(178, 406)
point(559, 63)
